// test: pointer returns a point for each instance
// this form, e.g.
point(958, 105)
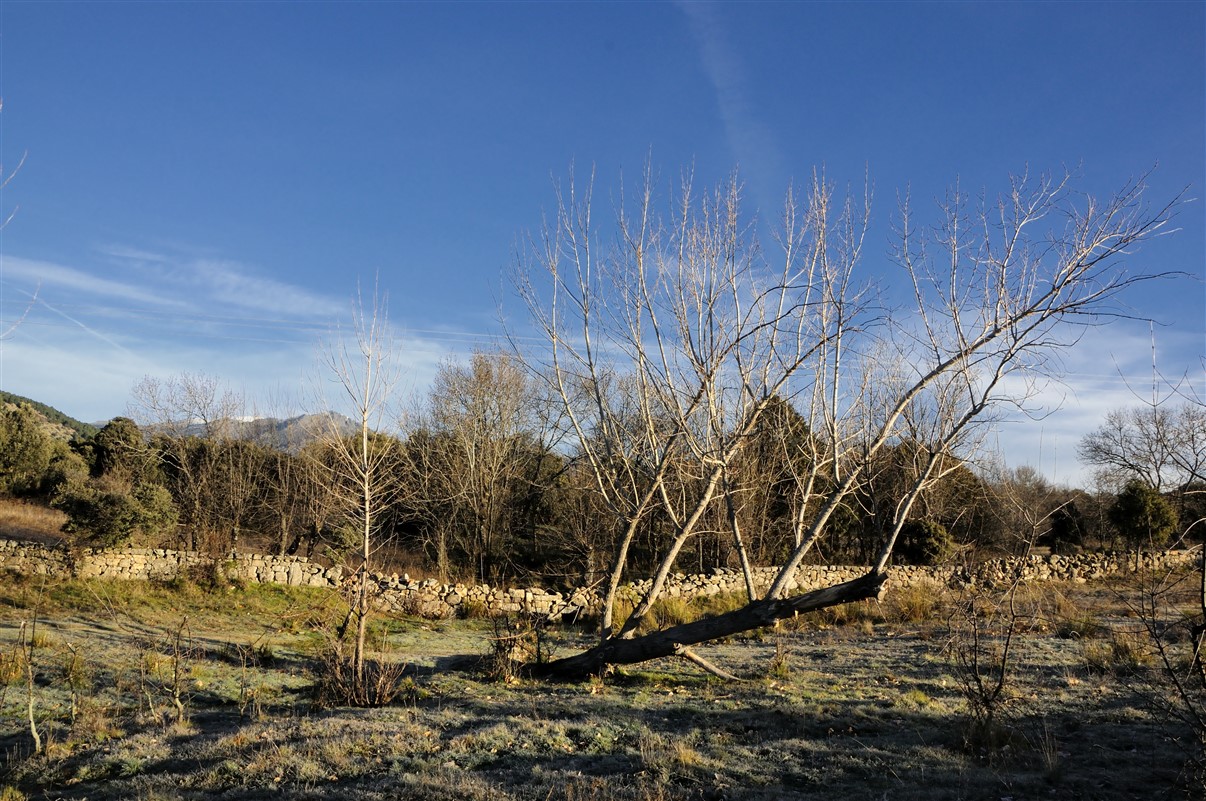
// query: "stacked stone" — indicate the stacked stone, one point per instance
point(131, 563)
point(33, 559)
point(431, 598)
point(295, 571)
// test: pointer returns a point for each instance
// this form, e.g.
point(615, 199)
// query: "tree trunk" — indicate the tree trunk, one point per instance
point(755, 615)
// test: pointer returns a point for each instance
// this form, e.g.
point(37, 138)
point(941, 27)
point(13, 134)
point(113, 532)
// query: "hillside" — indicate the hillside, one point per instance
point(59, 425)
point(286, 434)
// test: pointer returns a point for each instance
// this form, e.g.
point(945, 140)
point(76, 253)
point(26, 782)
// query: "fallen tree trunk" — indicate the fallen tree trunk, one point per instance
point(669, 642)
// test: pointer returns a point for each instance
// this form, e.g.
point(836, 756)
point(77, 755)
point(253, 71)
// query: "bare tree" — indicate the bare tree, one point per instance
point(193, 421)
point(480, 453)
point(1162, 444)
point(361, 365)
point(1027, 505)
point(667, 347)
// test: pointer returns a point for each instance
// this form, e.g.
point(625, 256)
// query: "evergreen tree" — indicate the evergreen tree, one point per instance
point(1142, 516)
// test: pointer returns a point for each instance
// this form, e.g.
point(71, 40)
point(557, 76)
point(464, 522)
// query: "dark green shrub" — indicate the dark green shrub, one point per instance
point(924, 542)
point(25, 451)
point(110, 516)
point(1068, 530)
point(1142, 516)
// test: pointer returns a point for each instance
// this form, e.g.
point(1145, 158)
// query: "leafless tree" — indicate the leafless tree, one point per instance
point(1026, 504)
point(1161, 443)
point(193, 421)
point(480, 455)
point(667, 346)
point(361, 364)
point(478, 409)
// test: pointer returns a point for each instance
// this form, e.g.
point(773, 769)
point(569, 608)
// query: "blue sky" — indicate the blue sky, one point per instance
point(206, 183)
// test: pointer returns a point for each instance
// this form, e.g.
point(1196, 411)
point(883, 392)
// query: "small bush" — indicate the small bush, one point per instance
point(474, 609)
point(981, 635)
point(720, 603)
point(1068, 530)
point(780, 664)
point(857, 613)
point(110, 515)
point(672, 611)
point(1079, 627)
point(1123, 654)
point(12, 667)
point(516, 642)
point(381, 682)
point(1143, 517)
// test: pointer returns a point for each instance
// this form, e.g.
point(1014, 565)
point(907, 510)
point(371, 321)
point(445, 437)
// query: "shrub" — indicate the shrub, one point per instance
point(1123, 654)
point(25, 450)
point(1068, 530)
point(981, 639)
point(924, 542)
point(111, 515)
point(381, 682)
point(1142, 516)
point(915, 603)
point(857, 612)
point(516, 642)
point(1079, 627)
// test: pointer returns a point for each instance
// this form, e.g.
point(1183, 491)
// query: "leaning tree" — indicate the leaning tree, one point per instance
point(669, 337)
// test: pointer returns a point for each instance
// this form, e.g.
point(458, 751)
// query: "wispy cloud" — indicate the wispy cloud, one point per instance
point(1110, 368)
point(82, 326)
point(49, 274)
point(128, 253)
point(231, 283)
point(220, 282)
point(96, 330)
point(754, 145)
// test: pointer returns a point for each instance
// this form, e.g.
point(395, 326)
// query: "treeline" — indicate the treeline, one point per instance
point(481, 487)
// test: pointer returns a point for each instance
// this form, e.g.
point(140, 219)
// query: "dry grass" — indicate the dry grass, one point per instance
point(1122, 653)
point(843, 713)
point(675, 610)
point(29, 521)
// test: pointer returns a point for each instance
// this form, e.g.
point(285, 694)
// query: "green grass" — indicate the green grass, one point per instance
point(149, 602)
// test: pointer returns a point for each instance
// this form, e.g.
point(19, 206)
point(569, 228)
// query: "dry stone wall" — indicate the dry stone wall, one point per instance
point(161, 564)
point(430, 598)
point(433, 599)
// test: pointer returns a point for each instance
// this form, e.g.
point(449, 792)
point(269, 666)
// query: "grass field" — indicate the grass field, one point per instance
point(30, 521)
point(144, 691)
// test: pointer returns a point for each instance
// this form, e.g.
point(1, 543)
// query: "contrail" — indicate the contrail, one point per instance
point(88, 330)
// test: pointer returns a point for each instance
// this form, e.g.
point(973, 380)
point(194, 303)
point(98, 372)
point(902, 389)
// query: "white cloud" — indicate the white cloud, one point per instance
point(92, 336)
point(49, 275)
point(127, 253)
point(1110, 368)
point(90, 377)
point(231, 283)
